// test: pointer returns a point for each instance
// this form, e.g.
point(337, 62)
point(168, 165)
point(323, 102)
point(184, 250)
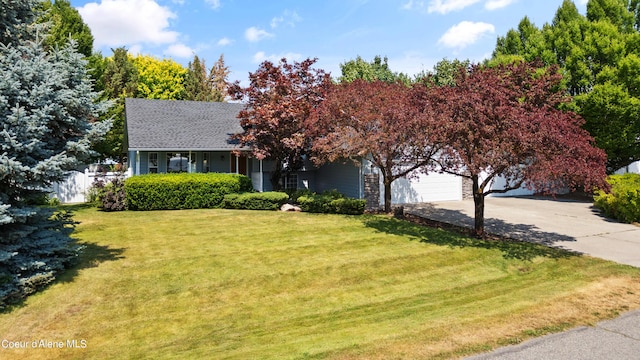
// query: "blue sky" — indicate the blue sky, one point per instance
point(413, 34)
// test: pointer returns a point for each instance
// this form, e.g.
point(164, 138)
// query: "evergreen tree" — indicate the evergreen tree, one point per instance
point(119, 80)
point(47, 113)
point(66, 24)
point(218, 78)
point(195, 83)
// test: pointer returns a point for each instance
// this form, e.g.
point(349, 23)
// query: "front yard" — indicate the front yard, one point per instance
point(257, 285)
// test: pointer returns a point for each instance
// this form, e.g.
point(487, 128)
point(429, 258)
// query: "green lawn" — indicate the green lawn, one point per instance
point(258, 285)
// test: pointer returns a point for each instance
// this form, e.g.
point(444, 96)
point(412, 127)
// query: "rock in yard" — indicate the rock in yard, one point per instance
point(289, 207)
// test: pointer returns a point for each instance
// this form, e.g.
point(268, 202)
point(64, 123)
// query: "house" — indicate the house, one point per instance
point(163, 136)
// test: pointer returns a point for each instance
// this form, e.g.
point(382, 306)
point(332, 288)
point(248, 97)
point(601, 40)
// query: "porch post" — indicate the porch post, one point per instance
point(237, 164)
point(261, 178)
point(137, 162)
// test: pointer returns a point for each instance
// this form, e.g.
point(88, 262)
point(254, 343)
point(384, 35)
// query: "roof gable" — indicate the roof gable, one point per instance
point(181, 125)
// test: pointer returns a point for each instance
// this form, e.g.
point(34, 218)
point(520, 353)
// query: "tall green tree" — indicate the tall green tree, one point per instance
point(119, 81)
point(597, 54)
point(377, 69)
point(47, 126)
point(195, 82)
point(65, 24)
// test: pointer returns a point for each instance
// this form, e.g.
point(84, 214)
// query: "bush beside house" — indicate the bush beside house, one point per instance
point(182, 191)
point(331, 202)
point(272, 200)
point(623, 201)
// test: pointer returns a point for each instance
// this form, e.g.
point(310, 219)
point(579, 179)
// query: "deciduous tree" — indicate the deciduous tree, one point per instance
point(277, 101)
point(597, 53)
point(504, 122)
point(377, 69)
point(377, 121)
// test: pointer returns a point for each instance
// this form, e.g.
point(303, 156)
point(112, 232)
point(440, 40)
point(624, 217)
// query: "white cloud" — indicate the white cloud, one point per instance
point(289, 18)
point(498, 4)
point(413, 5)
point(213, 3)
point(135, 50)
point(253, 34)
point(446, 6)
point(128, 22)
point(179, 51)
point(224, 41)
point(260, 56)
point(465, 34)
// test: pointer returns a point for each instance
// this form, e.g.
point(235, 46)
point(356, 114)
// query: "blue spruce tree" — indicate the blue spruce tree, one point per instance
point(47, 126)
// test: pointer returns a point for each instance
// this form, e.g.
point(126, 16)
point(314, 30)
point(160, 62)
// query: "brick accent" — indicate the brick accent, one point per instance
point(372, 191)
point(467, 188)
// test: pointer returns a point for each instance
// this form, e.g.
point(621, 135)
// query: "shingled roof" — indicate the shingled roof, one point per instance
point(180, 125)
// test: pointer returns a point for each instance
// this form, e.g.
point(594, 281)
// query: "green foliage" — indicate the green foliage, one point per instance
point(160, 79)
point(182, 191)
point(255, 201)
point(47, 108)
point(331, 202)
point(623, 201)
point(33, 252)
point(377, 69)
point(599, 55)
point(65, 24)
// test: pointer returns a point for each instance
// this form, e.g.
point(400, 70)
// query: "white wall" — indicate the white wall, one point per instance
point(75, 186)
point(631, 168)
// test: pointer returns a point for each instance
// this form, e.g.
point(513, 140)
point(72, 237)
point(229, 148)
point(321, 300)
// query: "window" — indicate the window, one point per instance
point(205, 162)
point(291, 182)
point(153, 163)
point(177, 162)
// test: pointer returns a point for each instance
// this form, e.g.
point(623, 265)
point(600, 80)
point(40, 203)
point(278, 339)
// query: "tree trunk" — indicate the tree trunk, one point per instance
point(387, 195)
point(478, 201)
point(276, 177)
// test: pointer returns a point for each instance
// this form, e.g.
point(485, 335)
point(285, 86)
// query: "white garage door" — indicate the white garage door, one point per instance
point(425, 188)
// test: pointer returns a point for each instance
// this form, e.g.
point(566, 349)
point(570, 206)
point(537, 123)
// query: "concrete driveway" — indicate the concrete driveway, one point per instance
point(570, 224)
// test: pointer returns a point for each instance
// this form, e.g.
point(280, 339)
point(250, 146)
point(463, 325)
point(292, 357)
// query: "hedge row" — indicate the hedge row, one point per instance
point(331, 202)
point(182, 191)
point(255, 201)
point(623, 201)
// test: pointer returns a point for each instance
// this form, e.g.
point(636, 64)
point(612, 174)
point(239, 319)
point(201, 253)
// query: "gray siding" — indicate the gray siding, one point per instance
point(346, 178)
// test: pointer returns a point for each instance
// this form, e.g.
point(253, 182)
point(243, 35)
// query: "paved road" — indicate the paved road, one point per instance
point(617, 339)
point(573, 225)
point(569, 224)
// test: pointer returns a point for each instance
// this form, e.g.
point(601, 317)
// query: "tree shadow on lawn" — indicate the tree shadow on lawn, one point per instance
point(90, 256)
point(523, 242)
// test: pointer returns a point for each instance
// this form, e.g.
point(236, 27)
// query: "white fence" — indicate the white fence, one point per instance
point(74, 188)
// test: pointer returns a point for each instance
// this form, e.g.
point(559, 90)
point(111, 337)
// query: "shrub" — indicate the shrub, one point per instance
point(255, 201)
point(331, 202)
point(182, 191)
point(109, 195)
point(623, 201)
point(114, 196)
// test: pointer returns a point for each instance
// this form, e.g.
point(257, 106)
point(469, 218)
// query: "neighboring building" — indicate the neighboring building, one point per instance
point(190, 136)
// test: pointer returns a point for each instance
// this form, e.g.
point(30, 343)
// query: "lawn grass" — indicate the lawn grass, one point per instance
point(230, 284)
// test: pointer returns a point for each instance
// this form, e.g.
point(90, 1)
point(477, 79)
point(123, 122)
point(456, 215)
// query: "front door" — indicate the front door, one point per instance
point(239, 164)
